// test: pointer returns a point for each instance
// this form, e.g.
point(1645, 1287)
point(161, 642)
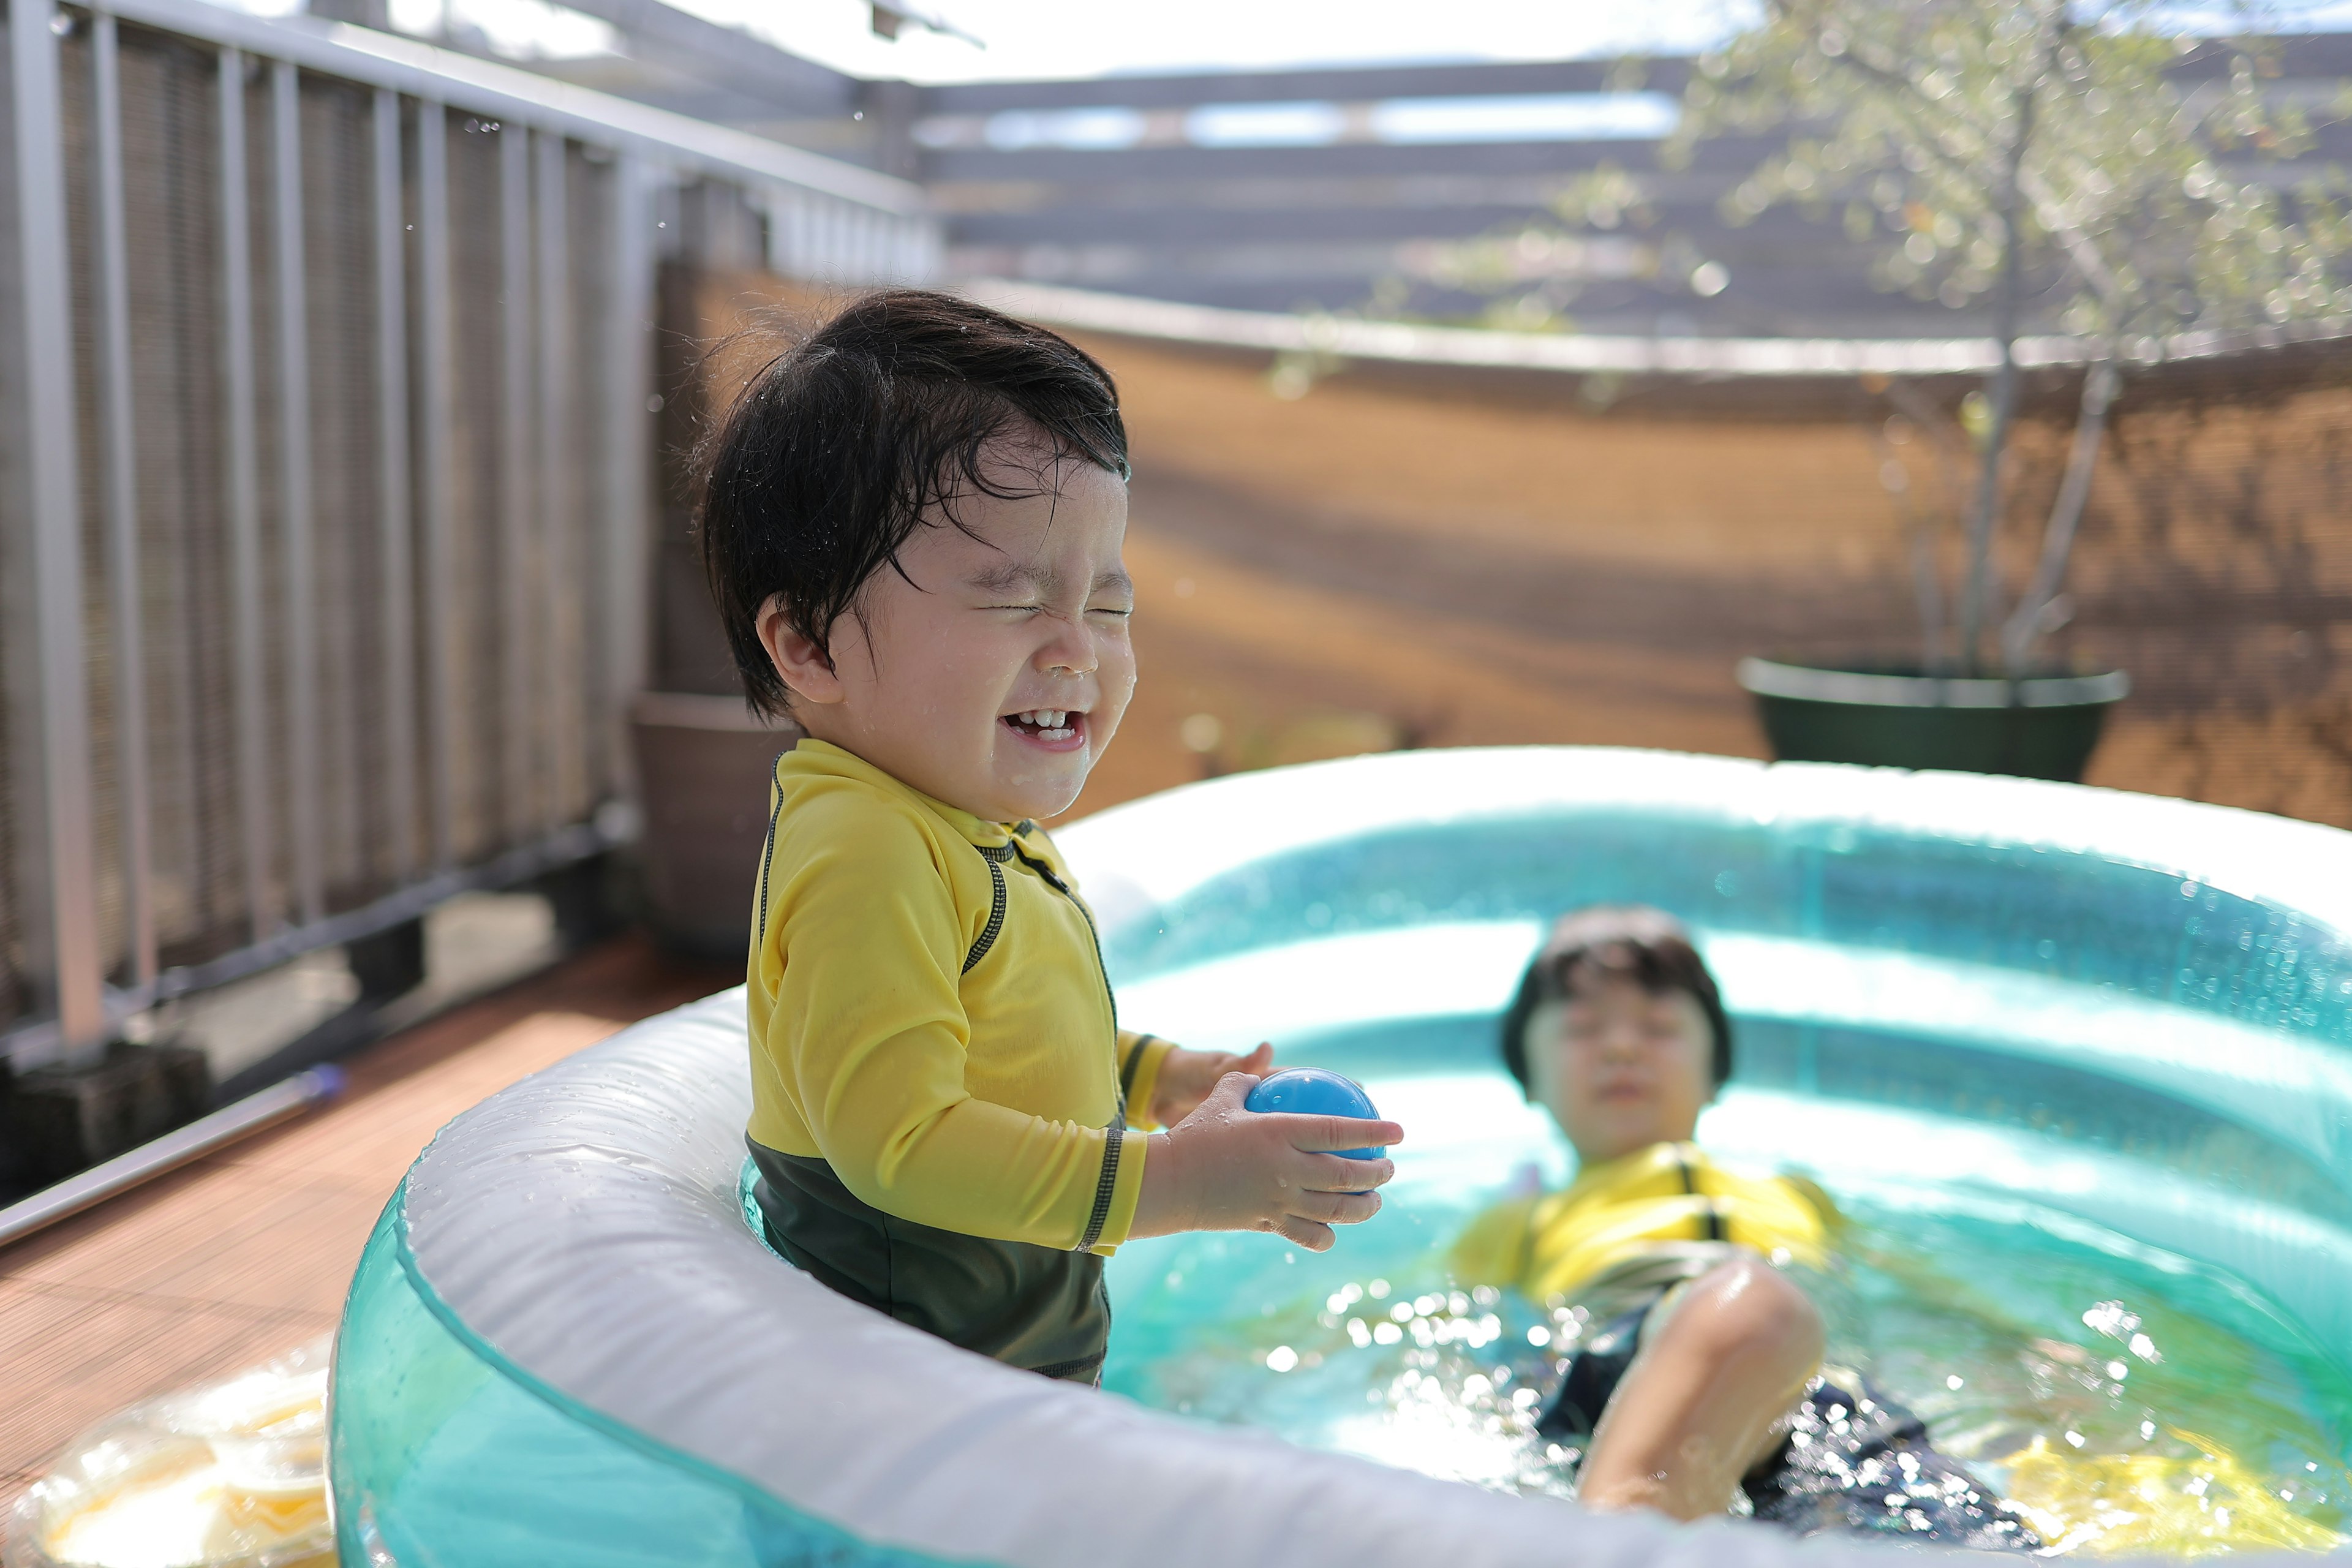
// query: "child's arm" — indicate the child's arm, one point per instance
point(1225, 1167)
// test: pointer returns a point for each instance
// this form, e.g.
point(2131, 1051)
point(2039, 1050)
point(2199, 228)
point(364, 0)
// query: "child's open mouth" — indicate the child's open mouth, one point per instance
point(1055, 729)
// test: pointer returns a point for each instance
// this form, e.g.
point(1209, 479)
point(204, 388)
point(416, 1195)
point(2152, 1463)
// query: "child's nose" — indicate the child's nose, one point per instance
point(1071, 648)
point(1623, 1042)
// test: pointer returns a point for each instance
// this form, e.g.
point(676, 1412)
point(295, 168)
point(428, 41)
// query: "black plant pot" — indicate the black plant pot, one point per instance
point(2042, 727)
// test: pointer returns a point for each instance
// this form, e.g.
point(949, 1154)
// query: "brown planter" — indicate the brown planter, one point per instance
point(703, 765)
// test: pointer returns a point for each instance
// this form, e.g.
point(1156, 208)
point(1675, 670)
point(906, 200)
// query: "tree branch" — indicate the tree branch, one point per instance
point(2024, 627)
point(1975, 588)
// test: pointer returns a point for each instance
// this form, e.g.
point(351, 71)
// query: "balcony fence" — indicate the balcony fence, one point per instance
point(327, 458)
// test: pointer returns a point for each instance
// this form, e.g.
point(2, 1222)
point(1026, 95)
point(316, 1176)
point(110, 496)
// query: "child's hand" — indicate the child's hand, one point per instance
point(1187, 1077)
point(1225, 1167)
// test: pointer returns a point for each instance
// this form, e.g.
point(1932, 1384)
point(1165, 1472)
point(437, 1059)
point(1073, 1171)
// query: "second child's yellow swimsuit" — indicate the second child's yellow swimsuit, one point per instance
point(1628, 1227)
point(939, 1087)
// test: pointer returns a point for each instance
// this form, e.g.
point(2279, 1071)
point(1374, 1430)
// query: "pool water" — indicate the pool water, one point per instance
point(2131, 1398)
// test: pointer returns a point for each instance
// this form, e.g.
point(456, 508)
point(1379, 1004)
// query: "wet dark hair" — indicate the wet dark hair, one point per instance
point(1647, 946)
point(830, 459)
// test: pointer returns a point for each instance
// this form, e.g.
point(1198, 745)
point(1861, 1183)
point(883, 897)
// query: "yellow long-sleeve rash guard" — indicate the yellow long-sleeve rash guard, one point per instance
point(929, 1015)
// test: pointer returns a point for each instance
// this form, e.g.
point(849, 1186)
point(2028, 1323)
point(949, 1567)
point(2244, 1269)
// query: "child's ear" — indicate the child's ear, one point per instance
point(801, 663)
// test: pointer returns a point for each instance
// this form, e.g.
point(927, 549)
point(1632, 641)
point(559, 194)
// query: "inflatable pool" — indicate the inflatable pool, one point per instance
point(2103, 1036)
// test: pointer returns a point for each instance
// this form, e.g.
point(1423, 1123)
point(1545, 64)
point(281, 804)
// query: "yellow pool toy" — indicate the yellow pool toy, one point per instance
point(228, 1476)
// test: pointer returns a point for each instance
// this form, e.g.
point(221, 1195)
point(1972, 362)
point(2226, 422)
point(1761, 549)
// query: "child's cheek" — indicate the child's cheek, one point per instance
point(1115, 697)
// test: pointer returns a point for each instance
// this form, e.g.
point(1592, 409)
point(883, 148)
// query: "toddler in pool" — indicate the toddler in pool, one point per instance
point(1699, 1372)
point(912, 522)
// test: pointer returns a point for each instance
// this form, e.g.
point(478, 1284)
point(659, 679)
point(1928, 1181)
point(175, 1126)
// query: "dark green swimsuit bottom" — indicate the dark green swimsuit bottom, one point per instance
point(1032, 1307)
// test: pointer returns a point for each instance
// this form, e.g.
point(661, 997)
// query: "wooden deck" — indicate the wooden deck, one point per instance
point(245, 1255)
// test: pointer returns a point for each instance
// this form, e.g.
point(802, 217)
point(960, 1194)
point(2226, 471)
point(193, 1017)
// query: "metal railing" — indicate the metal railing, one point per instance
point(325, 479)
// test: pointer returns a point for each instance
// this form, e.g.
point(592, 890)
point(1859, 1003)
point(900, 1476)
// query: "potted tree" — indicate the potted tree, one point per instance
point(2070, 170)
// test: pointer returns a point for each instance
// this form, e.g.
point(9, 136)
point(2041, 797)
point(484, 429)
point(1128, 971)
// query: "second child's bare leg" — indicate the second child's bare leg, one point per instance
point(1699, 1406)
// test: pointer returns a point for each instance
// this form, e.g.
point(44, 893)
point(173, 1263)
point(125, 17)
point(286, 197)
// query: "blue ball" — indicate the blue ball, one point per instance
point(1312, 1091)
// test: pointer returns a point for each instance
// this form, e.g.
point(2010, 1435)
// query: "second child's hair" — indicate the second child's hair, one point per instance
point(844, 444)
point(1644, 945)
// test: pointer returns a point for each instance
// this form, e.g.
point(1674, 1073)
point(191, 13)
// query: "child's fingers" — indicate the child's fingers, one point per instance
point(1256, 1062)
point(1335, 1174)
point(1230, 1090)
point(1335, 1208)
point(1317, 1134)
point(1309, 1234)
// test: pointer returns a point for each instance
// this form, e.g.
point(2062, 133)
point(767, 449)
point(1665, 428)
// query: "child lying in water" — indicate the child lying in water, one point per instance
point(1702, 1374)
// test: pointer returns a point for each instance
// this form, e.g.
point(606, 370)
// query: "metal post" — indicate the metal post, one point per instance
point(294, 490)
point(898, 249)
point(787, 236)
point(628, 439)
point(805, 238)
point(518, 646)
point(794, 262)
point(557, 496)
point(394, 524)
point(256, 810)
point(52, 490)
point(118, 475)
point(440, 584)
